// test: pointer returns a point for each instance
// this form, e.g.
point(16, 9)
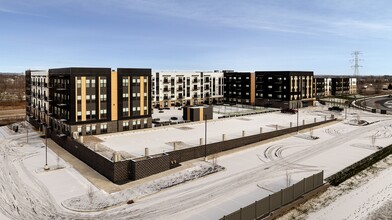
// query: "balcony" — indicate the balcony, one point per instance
point(180, 81)
point(166, 81)
point(165, 97)
point(179, 89)
point(166, 89)
point(194, 89)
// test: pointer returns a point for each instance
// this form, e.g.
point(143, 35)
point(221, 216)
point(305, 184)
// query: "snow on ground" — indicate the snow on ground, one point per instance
point(367, 195)
point(161, 139)
point(29, 193)
point(96, 201)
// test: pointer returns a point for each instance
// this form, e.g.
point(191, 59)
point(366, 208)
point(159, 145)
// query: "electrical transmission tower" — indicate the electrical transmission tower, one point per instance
point(356, 60)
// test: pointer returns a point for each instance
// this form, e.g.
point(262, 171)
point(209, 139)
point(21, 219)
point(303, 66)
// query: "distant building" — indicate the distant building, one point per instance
point(335, 86)
point(37, 97)
point(186, 88)
point(283, 89)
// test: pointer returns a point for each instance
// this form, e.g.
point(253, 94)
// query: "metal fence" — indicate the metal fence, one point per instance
point(265, 206)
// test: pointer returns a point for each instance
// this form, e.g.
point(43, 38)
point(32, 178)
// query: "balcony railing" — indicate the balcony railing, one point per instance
point(166, 81)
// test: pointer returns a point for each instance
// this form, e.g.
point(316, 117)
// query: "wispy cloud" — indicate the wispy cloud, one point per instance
point(15, 12)
point(279, 16)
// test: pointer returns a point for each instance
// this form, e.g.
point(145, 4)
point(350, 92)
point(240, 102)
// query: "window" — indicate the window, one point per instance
point(125, 111)
point(79, 97)
point(103, 113)
point(125, 125)
point(269, 95)
point(79, 82)
point(87, 83)
point(88, 129)
point(134, 94)
point(103, 97)
point(93, 83)
point(104, 128)
point(134, 109)
point(125, 82)
point(80, 130)
point(103, 82)
point(88, 115)
point(92, 97)
point(93, 129)
point(88, 97)
point(79, 115)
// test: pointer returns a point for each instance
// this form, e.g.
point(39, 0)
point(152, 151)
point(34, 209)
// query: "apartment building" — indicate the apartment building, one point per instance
point(283, 89)
point(37, 97)
point(186, 88)
point(87, 101)
point(335, 86)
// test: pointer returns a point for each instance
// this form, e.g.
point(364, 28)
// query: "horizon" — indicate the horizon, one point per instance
point(167, 35)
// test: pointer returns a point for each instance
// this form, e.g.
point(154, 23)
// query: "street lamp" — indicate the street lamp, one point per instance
point(46, 167)
point(205, 138)
point(297, 117)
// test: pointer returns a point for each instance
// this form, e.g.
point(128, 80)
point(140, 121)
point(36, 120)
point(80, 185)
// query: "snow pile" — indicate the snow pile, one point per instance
point(95, 201)
point(333, 193)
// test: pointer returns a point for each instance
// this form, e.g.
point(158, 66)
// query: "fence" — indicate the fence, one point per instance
point(265, 206)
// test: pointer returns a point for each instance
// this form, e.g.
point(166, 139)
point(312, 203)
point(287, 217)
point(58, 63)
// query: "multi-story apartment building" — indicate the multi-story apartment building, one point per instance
point(94, 100)
point(335, 86)
point(284, 89)
point(186, 88)
point(37, 97)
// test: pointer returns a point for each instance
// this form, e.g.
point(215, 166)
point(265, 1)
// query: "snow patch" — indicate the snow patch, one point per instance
point(95, 201)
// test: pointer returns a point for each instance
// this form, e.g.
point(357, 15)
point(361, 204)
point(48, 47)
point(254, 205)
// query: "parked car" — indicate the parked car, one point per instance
point(173, 118)
point(161, 111)
point(288, 110)
point(335, 108)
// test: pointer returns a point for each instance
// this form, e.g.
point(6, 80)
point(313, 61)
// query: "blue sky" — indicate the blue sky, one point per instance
point(247, 35)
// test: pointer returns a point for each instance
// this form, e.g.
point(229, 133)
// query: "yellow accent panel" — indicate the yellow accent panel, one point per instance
point(83, 98)
point(99, 97)
point(252, 88)
point(76, 99)
point(148, 107)
point(188, 114)
point(201, 114)
point(114, 94)
point(142, 95)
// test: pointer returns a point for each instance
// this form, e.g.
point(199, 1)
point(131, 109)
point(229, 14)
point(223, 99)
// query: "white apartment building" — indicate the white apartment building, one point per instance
point(179, 88)
point(39, 106)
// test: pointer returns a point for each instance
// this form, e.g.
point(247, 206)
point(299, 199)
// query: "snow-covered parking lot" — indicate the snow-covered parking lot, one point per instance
point(249, 174)
point(162, 139)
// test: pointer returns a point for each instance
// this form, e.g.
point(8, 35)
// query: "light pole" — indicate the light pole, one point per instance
point(46, 167)
point(297, 117)
point(205, 138)
point(27, 129)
